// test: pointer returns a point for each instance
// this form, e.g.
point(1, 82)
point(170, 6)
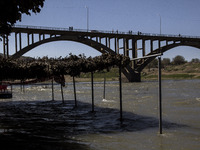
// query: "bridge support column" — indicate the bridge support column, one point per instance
point(32, 38)
point(132, 76)
point(28, 40)
point(108, 42)
point(151, 46)
point(117, 46)
point(126, 47)
point(16, 42)
point(166, 42)
point(40, 37)
point(136, 77)
point(159, 44)
point(143, 47)
point(20, 41)
point(5, 46)
point(134, 52)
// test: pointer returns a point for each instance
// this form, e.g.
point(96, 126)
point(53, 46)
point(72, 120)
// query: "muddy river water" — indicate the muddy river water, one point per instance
point(33, 115)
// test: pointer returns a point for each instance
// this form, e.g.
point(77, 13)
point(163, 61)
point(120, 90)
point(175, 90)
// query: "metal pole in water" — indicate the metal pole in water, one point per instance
point(92, 91)
point(104, 87)
point(62, 93)
point(23, 87)
point(52, 90)
point(160, 95)
point(120, 91)
point(11, 86)
point(74, 83)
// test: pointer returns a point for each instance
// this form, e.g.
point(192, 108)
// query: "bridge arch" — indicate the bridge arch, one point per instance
point(89, 42)
point(126, 43)
point(164, 49)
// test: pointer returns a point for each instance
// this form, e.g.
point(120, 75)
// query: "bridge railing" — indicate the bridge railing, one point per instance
point(104, 31)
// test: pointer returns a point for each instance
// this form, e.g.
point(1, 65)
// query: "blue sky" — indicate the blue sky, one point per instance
point(177, 17)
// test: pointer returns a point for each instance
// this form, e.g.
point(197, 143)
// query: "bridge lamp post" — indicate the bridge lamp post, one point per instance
point(160, 94)
point(160, 23)
point(160, 85)
point(87, 18)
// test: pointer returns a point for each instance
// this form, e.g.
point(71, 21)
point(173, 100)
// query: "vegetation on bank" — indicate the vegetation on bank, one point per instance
point(178, 68)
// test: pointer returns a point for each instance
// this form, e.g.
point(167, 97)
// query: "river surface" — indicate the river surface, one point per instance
point(103, 129)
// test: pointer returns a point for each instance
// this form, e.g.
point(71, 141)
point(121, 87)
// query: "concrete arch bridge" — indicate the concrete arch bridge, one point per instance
point(132, 44)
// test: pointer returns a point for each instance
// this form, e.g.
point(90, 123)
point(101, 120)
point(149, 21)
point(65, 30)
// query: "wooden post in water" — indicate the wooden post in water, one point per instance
point(62, 93)
point(160, 95)
point(74, 83)
point(92, 82)
point(120, 90)
point(52, 89)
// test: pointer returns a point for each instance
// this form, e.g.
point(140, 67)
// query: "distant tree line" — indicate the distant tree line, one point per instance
point(178, 60)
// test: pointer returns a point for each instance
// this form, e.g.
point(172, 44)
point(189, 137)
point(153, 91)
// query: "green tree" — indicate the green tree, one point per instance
point(11, 11)
point(166, 62)
point(153, 64)
point(195, 60)
point(178, 60)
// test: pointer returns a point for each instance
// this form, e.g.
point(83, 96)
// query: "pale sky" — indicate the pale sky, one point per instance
point(177, 17)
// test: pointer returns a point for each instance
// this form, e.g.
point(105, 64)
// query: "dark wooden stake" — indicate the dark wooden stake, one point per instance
point(92, 82)
point(160, 95)
point(74, 83)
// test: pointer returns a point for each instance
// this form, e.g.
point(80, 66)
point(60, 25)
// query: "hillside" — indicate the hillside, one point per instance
point(185, 71)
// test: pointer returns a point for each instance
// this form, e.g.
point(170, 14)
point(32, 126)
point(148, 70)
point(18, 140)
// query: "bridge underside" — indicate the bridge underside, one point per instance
point(133, 45)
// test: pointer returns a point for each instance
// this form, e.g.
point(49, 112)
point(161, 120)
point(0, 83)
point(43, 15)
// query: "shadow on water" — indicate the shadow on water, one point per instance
point(49, 125)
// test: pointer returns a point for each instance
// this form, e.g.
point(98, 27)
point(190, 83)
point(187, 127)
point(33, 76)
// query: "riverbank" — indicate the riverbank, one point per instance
point(184, 71)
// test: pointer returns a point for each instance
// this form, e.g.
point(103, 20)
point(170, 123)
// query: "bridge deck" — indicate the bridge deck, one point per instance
point(101, 33)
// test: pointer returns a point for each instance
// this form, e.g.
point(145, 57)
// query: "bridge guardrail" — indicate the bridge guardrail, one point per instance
point(103, 31)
